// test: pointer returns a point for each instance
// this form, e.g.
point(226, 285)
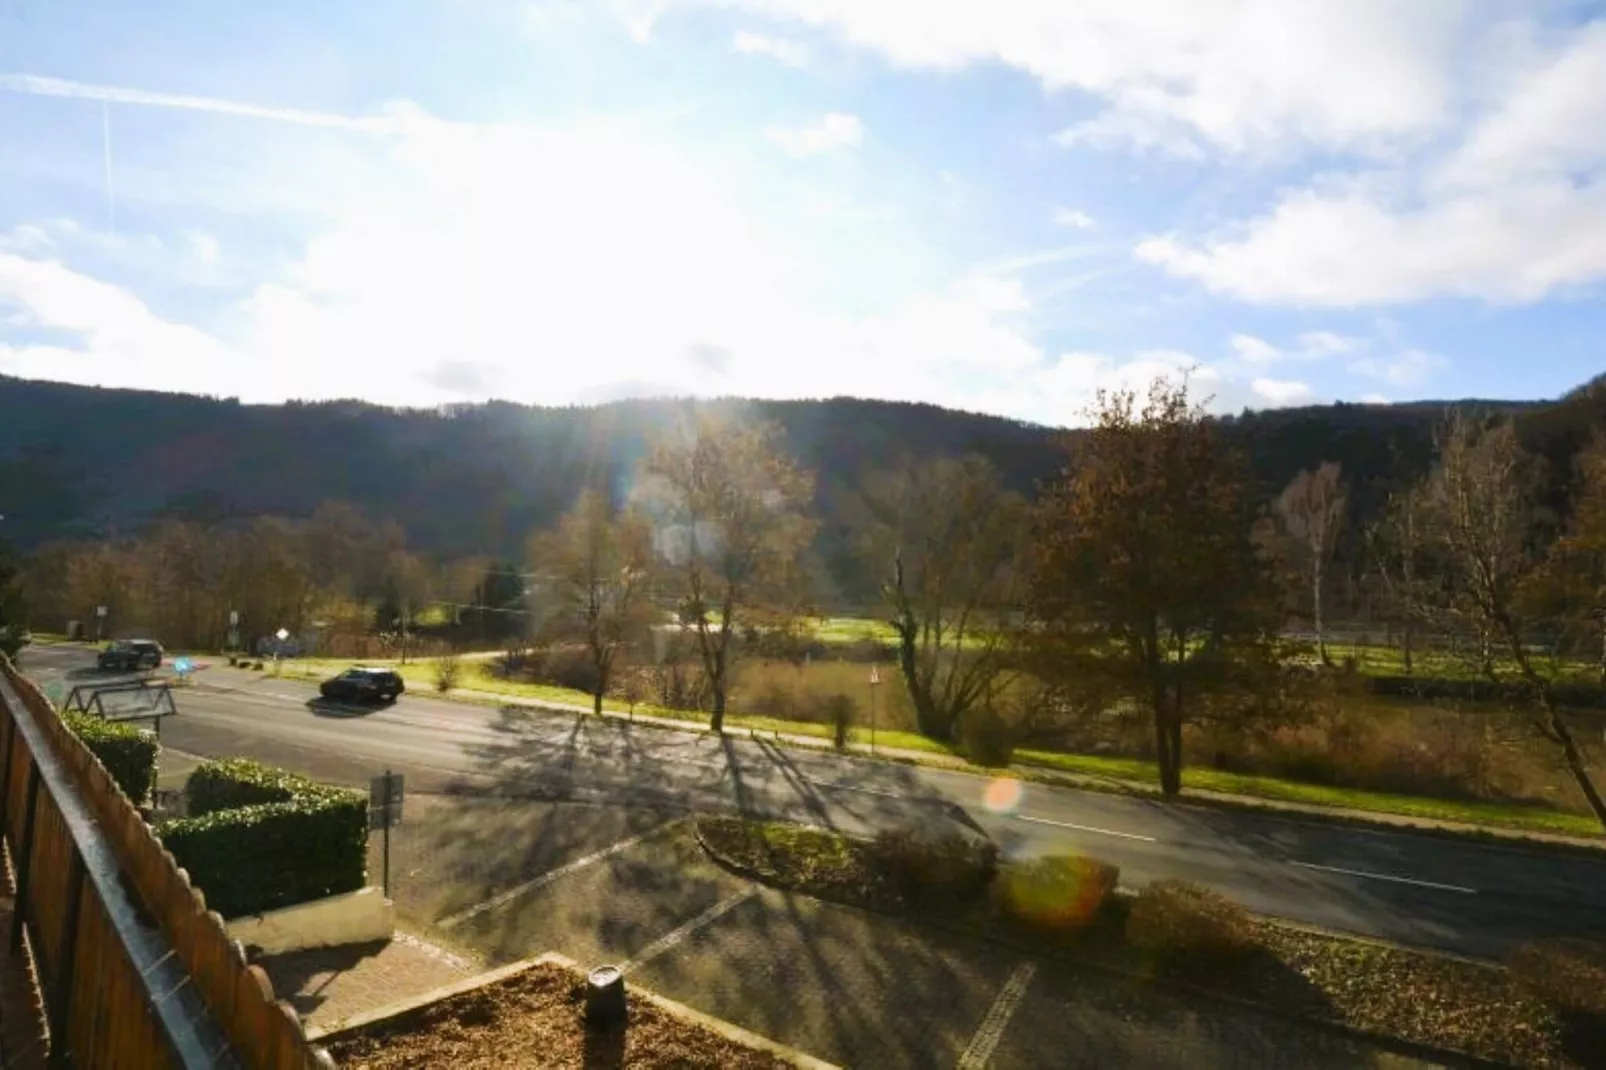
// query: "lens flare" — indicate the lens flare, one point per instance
point(1002, 796)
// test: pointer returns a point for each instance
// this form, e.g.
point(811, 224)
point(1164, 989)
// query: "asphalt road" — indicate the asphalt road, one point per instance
point(1430, 891)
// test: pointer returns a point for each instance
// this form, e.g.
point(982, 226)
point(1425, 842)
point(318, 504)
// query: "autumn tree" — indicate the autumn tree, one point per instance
point(946, 541)
point(1486, 534)
point(598, 565)
point(1311, 511)
point(1573, 582)
point(1147, 587)
point(734, 504)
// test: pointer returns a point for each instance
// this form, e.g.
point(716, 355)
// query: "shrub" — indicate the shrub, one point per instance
point(987, 738)
point(1189, 927)
point(1570, 975)
point(261, 838)
point(128, 753)
point(1056, 893)
point(570, 667)
point(448, 671)
point(948, 868)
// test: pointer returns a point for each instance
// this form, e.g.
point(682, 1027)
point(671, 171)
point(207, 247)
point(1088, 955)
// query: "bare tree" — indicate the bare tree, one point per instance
point(1397, 545)
point(947, 541)
point(1484, 528)
point(736, 532)
point(1311, 509)
point(599, 563)
point(1147, 586)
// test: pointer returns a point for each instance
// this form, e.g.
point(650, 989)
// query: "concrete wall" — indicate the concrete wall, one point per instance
point(353, 918)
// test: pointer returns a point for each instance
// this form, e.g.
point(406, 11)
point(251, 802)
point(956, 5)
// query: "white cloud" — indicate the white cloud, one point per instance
point(36, 85)
point(1073, 218)
point(1255, 350)
point(202, 246)
point(1409, 368)
point(833, 131)
point(1234, 74)
point(1515, 211)
point(1375, 399)
point(26, 238)
point(1279, 392)
point(1312, 345)
point(783, 50)
point(1326, 343)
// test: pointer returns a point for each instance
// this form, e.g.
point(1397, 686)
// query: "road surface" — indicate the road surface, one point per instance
point(1431, 891)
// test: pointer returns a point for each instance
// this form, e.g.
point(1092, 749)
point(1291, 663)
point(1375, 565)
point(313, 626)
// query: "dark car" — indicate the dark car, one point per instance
point(364, 685)
point(130, 655)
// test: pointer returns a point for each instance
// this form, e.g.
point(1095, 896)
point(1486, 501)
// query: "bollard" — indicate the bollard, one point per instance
point(605, 997)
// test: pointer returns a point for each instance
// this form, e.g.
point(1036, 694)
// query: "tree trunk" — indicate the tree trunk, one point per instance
point(1167, 745)
point(1575, 765)
point(716, 683)
point(1316, 614)
point(1405, 647)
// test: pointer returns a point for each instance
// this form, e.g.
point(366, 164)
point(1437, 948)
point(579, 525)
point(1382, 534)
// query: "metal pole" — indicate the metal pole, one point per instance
point(386, 883)
point(872, 720)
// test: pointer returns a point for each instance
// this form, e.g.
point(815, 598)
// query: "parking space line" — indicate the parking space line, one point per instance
point(991, 1031)
point(451, 921)
point(676, 935)
point(1388, 877)
point(1086, 828)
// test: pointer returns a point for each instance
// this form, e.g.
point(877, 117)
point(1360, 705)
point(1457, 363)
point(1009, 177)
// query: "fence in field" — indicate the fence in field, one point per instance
point(134, 970)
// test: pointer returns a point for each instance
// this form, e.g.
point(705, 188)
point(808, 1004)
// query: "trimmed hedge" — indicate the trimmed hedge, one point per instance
point(260, 838)
point(934, 869)
point(1189, 927)
point(127, 752)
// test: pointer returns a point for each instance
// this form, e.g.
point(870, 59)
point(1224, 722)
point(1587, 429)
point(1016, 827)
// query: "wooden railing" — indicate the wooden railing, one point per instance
point(135, 970)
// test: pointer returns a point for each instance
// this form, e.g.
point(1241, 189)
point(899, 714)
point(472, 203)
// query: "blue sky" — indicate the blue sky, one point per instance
point(1001, 207)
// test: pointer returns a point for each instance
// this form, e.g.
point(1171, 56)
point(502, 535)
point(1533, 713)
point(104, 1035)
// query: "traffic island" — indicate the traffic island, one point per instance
point(533, 1013)
point(1182, 941)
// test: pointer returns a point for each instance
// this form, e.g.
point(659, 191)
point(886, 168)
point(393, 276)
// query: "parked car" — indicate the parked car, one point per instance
point(364, 685)
point(130, 655)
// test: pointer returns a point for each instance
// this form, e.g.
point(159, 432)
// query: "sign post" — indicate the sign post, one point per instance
point(100, 623)
point(875, 682)
point(385, 809)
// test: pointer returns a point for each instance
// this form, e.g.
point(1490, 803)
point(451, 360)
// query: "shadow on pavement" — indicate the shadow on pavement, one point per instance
point(323, 707)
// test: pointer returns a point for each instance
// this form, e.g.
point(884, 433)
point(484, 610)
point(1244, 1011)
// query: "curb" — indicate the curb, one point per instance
point(1394, 1044)
point(734, 1033)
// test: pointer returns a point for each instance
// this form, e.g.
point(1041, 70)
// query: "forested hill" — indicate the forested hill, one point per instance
point(78, 461)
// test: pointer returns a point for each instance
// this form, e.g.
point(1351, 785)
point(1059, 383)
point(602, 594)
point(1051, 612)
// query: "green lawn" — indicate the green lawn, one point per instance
point(1507, 815)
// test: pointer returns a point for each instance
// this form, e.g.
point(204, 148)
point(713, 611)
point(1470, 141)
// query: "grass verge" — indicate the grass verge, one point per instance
point(1410, 997)
point(1132, 775)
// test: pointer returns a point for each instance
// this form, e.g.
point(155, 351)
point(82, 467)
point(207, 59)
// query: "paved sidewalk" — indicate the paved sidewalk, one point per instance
point(330, 985)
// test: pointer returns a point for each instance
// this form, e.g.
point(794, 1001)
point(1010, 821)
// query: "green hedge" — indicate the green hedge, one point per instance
point(260, 838)
point(127, 752)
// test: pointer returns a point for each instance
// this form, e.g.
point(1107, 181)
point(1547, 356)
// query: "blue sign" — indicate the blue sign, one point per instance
point(183, 666)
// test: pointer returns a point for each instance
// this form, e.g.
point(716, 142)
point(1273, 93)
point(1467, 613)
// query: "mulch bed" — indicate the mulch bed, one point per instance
point(536, 1018)
point(1440, 1002)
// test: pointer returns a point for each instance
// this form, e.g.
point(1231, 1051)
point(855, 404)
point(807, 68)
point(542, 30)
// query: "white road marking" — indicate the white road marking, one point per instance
point(675, 936)
point(1388, 877)
point(991, 1031)
point(451, 921)
point(1086, 828)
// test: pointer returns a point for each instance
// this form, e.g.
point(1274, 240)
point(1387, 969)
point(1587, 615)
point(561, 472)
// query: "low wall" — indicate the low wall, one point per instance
point(352, 918)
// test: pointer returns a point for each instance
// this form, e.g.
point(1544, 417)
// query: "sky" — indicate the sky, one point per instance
point(1003, 207)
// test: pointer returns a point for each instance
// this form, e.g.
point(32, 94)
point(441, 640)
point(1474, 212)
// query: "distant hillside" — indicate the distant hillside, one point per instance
point(78, 461)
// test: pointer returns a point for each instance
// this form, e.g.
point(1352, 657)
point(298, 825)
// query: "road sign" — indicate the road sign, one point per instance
point(100, 611)
point(234, 618)
point(875, 677)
